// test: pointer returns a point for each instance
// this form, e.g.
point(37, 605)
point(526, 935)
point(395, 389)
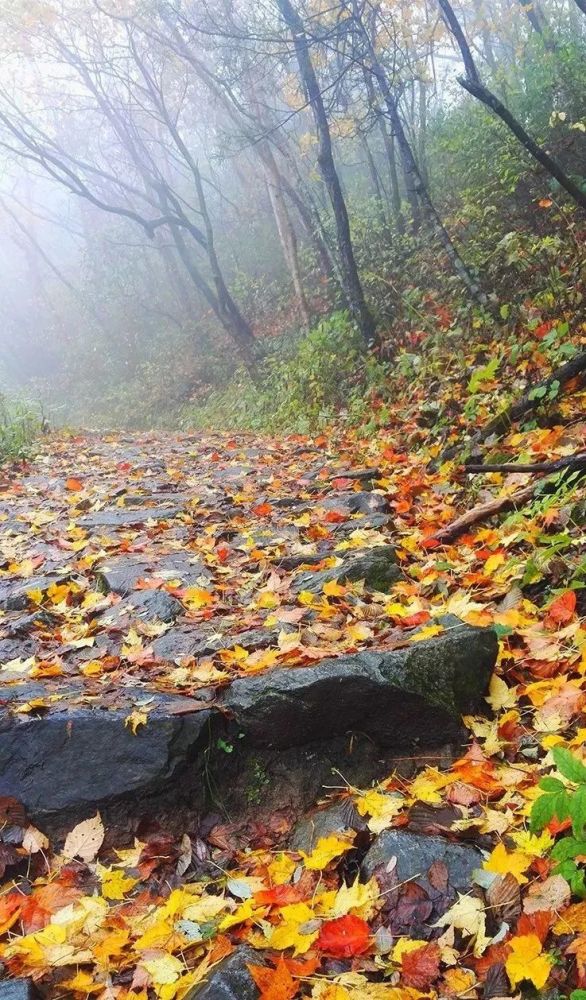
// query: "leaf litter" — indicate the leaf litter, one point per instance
point(225, 526)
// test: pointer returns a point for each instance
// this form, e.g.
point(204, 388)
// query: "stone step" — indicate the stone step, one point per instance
point(282, 731)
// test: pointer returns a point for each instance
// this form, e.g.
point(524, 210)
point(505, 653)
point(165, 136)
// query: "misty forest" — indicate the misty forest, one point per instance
point(292, 499)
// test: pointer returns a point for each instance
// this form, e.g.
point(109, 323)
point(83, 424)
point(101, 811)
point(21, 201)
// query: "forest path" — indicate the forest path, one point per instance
point(201, 635)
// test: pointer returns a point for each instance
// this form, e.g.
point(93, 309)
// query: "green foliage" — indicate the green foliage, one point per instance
point(305, 383)
point(561, 802)
point(20, 423)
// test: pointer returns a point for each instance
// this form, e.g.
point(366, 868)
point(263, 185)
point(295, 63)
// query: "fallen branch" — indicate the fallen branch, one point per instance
point(529, 401)
point(572, 462)
point(483, 512)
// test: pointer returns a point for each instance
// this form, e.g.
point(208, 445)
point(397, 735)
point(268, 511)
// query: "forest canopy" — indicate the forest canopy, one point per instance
point(188, 188)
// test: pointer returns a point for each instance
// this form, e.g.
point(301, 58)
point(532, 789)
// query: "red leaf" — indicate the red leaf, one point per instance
point(561, 611)
point(344, 937)
point(421, 967)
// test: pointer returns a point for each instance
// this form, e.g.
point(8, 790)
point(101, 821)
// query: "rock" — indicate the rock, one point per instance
point(186, 641)
point(376, 566)
point(17, 989)
point(150, 605)
point(415, 854)
point(81, 757)
point(324, 822)
point(398, 697)
point(356, 503)
point(13, 593)
point(121, 573)
point(127, 517)
point(230, 979)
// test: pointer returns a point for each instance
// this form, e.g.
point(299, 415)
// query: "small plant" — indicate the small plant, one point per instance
point(566, 805)
point(258, 779)
point(20, 424)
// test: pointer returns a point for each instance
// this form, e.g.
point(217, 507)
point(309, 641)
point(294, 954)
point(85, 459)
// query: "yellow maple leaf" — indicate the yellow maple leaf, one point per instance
point(532, 845)
point(136, 719)
point(500, 695)
point(196, 598)
point(356, 897)
point(526, 961)
point(380, 807)
point(334, 589)
point(468, 915)
point(289, 933)
point(281, 869)
point(326, 849)
point(115, 883)
point(503, 862)
point(164, 969)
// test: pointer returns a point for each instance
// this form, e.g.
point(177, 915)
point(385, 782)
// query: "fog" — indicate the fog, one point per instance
point(164, 209)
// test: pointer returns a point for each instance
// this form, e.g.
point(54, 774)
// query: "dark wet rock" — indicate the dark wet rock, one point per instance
point(370, 521)
point(361, 475)
point(120, 574)
point(230, 979)
point(18, 989)
point(87, 756)
point(416, 853)
point(127, 517)
point(13, 593)
point(150, 605)
point(398, 696)
point(376, 566)
point(23, 625)
point(13, 649)
point(361, 502)
point(198, 641)
point(324, 822)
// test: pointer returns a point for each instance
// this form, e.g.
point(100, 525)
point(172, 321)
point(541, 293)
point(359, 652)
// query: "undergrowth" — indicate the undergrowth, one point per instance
point(20, 424)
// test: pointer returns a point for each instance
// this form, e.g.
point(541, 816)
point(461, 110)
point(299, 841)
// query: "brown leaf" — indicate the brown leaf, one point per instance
point(504, 898)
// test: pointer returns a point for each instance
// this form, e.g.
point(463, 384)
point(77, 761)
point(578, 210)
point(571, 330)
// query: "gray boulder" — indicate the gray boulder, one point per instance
point(17, 989)
point(376, 566)
point(230, 979)
point(416, 853)
point(88, 756)
point(127, 517)
point(397, 697)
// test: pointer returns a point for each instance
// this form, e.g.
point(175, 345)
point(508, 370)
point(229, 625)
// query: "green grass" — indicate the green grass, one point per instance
point(20, 423)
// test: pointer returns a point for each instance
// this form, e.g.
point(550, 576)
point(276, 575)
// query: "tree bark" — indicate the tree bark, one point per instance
point(582, 5)
point(415, 182)
point(378, 197)
point(473, 84)
point(287, 236)
point(351, 280)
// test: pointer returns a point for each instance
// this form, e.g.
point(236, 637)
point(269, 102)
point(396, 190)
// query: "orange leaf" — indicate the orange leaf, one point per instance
point(421, 967)
point(73, 484)
point(262, 509)
point(561, 611)
point(274, 984)
point(279, 895)
point(344, 937)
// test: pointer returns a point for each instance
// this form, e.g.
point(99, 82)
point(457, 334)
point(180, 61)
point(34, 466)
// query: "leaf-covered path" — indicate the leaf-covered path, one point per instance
point(162, 585)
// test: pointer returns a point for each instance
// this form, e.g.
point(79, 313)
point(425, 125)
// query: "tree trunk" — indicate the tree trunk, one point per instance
point(415, 182)
point(378, 197)
point(582, 5)
point(351, 279)
point(473, 84)
point(286, 233)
